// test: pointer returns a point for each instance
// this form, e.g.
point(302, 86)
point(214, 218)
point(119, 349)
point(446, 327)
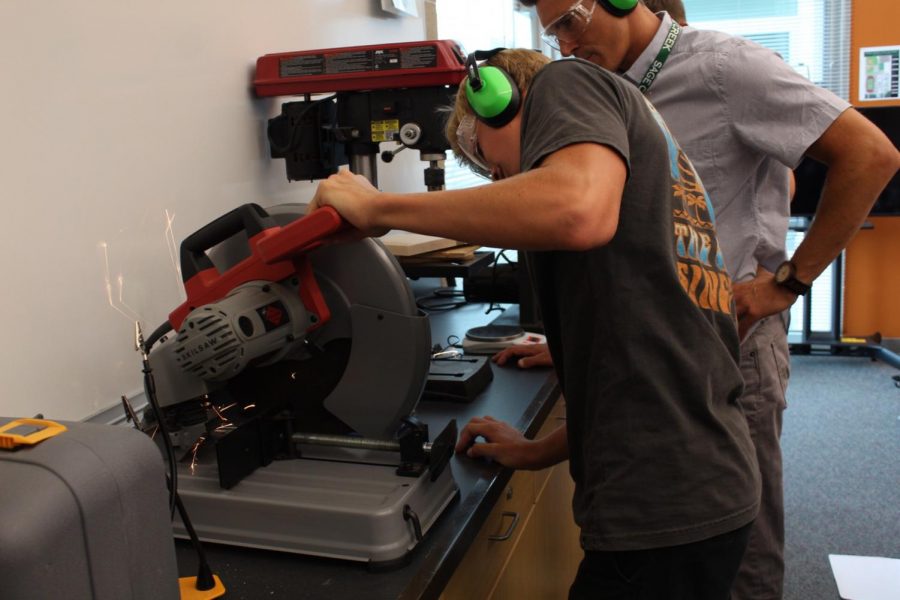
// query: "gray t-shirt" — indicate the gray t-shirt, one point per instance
point(642, 331)
point(745, 118)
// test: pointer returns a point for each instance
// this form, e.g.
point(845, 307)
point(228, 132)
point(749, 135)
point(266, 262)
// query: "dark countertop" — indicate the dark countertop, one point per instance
point(522, 398)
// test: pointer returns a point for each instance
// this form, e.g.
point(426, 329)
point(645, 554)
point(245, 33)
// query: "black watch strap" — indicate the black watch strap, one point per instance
point(785, 276)
point(795, 285)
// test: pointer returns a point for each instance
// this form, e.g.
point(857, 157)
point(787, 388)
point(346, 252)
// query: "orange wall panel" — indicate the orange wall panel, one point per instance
point(872, 280)
point(872, 274)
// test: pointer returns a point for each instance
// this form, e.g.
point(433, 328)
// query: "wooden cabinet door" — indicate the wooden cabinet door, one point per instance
point(544, 562)
point(483, 563)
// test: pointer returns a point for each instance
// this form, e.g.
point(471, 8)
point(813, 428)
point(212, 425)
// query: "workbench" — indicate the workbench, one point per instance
point(523, 398)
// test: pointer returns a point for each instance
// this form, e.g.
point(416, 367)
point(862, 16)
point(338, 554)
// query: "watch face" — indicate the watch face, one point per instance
point(783, 272)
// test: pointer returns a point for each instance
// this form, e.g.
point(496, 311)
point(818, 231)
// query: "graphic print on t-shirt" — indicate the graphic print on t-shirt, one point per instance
point(701, 268)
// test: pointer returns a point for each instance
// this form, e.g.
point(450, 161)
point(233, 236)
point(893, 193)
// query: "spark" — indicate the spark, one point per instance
point(132, 316)
point(172, 245)
point(219, 410)
point(249, 406)
point(121, 281)
point(194, 449)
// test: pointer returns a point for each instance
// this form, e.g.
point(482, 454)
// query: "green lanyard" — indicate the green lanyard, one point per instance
point(658, 62)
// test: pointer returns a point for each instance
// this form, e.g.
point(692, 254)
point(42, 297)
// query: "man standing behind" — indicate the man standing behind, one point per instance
point(741, 115)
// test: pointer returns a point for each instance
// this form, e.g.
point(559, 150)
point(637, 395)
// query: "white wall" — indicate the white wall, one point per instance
point(114, 114)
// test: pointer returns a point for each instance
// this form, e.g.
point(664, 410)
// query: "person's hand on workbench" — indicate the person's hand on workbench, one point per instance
point(503, 443)
point(353, 197)
point(529, 355)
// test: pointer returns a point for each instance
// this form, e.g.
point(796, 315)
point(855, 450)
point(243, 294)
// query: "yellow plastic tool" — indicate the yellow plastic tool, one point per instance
point(189, 591)
point(10, 441)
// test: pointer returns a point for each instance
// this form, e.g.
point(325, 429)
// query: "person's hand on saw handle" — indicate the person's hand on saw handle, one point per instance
point(354, 198)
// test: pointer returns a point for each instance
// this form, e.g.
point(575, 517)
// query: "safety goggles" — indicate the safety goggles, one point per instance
point(568, 27)
point(468, 143)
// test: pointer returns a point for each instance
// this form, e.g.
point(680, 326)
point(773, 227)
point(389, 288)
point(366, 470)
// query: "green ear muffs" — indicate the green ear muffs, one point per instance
point(619, 8)
point(491, 92)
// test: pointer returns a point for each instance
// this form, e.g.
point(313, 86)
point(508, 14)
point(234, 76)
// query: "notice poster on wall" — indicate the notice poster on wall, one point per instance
point(401, 7)
point(879, 73)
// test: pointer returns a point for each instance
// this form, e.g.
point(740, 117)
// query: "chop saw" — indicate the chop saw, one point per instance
point(287, 384)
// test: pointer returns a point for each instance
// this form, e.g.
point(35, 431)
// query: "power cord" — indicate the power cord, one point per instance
point(150, 391)
point(205, 581)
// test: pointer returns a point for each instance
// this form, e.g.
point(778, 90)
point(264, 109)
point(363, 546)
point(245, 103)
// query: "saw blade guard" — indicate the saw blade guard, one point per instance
point(371, 301)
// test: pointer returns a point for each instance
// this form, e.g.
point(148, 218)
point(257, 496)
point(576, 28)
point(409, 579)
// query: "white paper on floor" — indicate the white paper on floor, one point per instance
point(866, 577)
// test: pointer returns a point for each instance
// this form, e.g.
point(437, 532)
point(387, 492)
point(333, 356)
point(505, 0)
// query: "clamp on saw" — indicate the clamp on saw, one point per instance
point(288, 388)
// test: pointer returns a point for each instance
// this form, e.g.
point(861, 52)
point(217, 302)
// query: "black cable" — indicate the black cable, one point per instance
point(150, 391)
point(160, 331)
point(205, 578)
point(143, 347)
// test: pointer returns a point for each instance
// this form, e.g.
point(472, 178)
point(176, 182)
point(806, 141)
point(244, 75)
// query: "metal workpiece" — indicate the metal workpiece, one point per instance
point(344, 441)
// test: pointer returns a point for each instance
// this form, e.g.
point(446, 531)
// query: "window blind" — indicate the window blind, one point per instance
point(813, 36)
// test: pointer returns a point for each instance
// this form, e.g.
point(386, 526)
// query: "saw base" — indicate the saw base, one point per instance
point(324, 508)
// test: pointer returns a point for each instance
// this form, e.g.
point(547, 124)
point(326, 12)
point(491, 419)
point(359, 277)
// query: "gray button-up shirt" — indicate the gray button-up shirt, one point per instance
point(744, 117)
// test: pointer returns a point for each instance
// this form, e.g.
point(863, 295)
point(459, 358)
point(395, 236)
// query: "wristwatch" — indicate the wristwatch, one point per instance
point(786, 276)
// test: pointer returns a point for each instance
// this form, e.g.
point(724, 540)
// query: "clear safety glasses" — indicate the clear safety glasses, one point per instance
point(569, 26)
point(468, 143)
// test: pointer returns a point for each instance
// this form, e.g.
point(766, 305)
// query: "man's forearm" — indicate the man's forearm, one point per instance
point(857, 173)
point(571, 202)
point(845, 204)
point(497, 215)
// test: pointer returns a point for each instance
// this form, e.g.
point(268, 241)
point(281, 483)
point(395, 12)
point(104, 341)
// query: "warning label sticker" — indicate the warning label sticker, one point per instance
point(385, 131)
point(416, 57)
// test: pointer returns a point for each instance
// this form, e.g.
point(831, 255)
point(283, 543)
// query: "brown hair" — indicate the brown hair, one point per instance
point(521, 65)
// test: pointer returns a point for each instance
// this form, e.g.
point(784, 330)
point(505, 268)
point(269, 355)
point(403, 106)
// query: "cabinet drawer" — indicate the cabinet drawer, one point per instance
point(485, 558)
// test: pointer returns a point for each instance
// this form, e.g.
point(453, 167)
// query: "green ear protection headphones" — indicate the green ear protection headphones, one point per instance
point(619, 8)
point(491, 92)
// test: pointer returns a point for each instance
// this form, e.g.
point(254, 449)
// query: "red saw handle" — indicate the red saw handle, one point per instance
point(302, 235)
point(276, 253)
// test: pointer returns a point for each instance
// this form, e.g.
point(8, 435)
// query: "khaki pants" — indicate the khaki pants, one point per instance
point(765, 366)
